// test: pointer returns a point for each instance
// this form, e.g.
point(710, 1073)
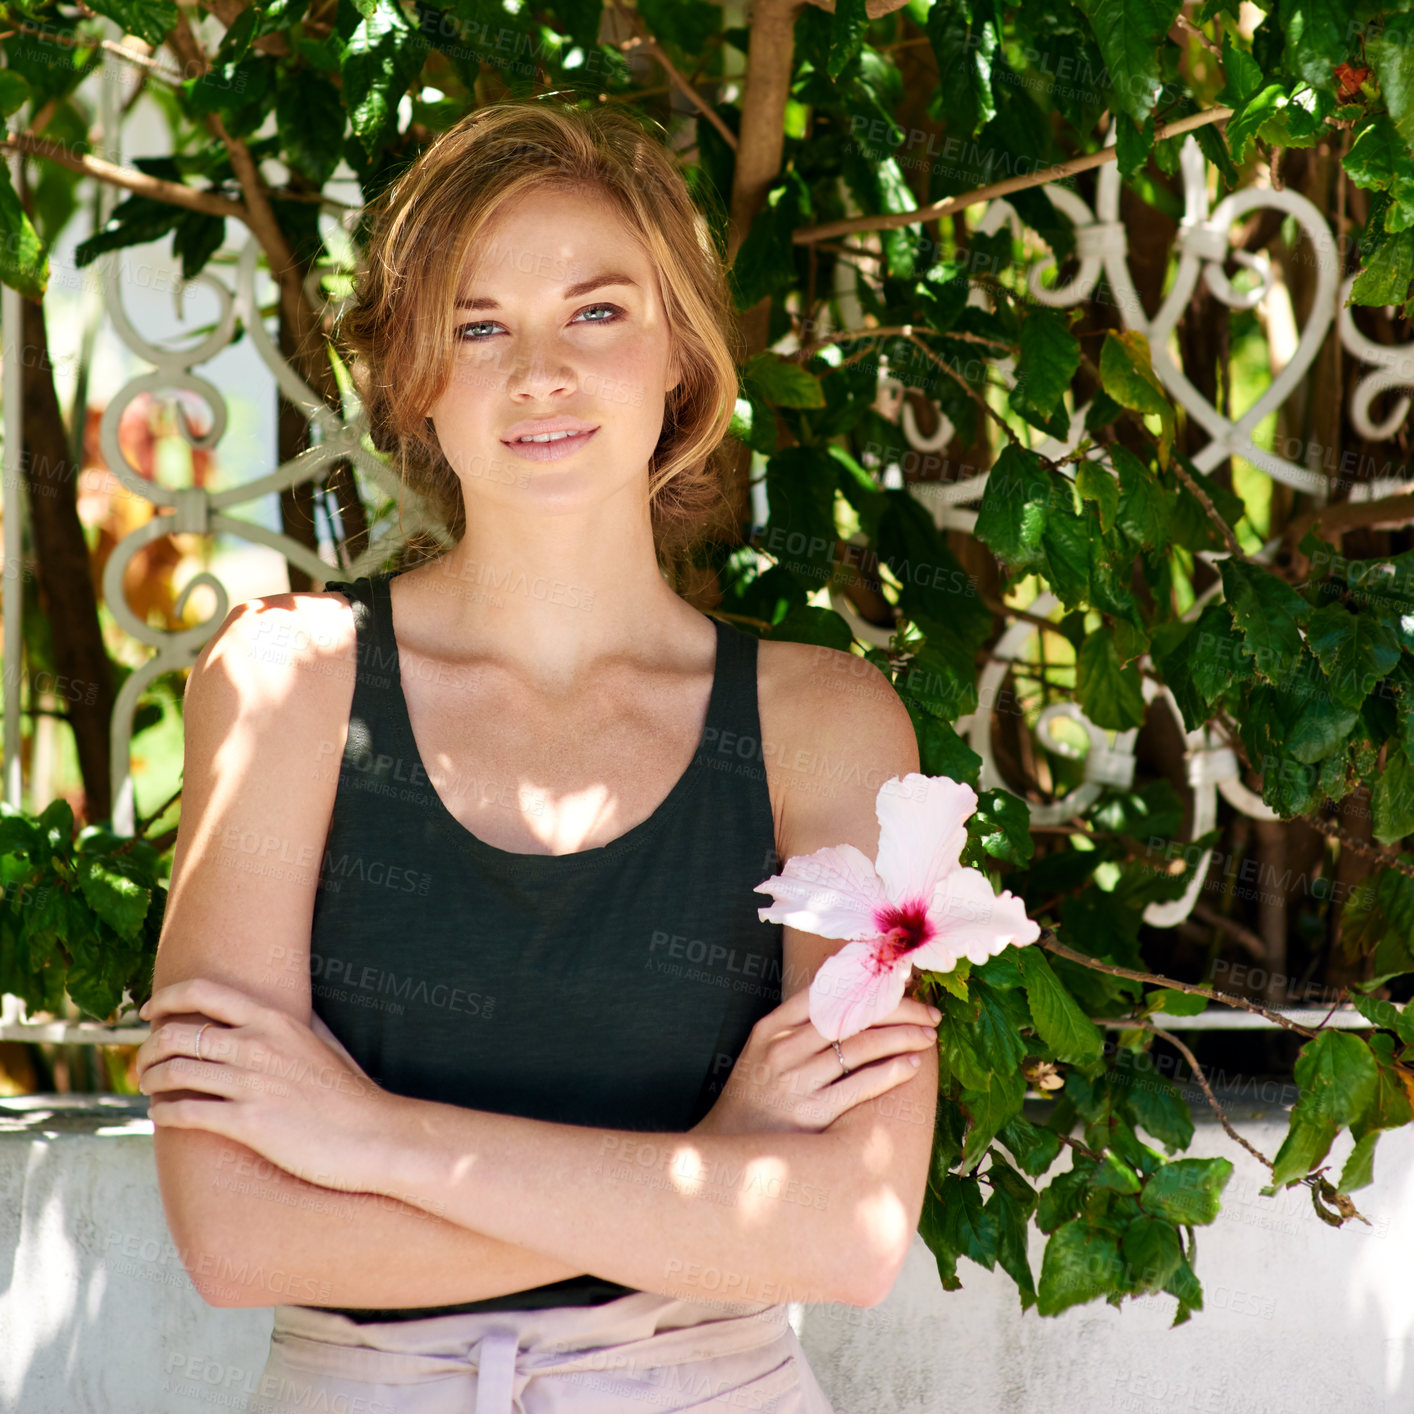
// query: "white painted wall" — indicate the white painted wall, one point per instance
point(98, 1316)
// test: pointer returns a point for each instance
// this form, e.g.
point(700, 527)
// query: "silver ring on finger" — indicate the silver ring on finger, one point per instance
point(840, 1054)
point(199, 1030)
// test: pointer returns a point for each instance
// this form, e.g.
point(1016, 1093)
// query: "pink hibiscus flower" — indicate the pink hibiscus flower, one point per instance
point(914, 906)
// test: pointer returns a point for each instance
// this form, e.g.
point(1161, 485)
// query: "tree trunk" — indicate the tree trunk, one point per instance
point(65, 577)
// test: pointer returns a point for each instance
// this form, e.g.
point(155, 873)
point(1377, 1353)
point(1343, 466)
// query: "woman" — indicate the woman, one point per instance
point(475, 1059)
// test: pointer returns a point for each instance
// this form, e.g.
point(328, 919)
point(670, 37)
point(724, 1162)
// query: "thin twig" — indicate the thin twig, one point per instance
point(1076, 1144)
point(1388, 857)
point(894, 331)
point(937, 209)
point(1204, 500)
point(1051, 943)
point(651, 46)
point(129, 56)
point(966, 387)
point(129, 178)
point(1197, 1075)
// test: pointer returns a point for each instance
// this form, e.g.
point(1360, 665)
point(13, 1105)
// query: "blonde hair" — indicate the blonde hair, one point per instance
point(396, 330)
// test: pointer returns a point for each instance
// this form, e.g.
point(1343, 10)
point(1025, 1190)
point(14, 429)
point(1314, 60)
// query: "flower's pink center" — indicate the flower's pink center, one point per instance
point(902, 928)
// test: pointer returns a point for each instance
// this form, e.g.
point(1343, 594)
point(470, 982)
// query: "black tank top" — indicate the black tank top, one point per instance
point(612, 987)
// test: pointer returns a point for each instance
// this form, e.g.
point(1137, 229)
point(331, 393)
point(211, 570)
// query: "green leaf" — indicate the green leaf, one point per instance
point(784, 382)
point(1307, 1142)
point(1184, 1285)
point(1268, 611)
point(1059, 1021)
point(1392, 803)
point(969, 1229)
point(119, 901)
point(1378, 161)
point(1131, 34)
point(1385, 271)
point(1080, 1263)
point(1173, 1003)
point(1115, 1174)
point(1337, 1075)
point(931, 1230)
point(1152, 1250)
point(309, 118)
point(1069, 545)
point(383, 55)
point(957, 1054)
point(765, 263)
point(1134, 143)
point(1144, 504)
point(989, 1110)
point(1009, 1209)
point(1111, 696)
point(800, 530)
point(1385, 1013)
point(1035, 1149)
point(934, 583)
point(1152, 1100)
point(1060, 1200)
point(1359, 1170)
point(1243, 75)
point(1050, 358)
point(1355, 651)
point(942, 752)
point(1317, 724)
point(963, 48)
point(1187, 1191)
point(15, 91)
point(1094, 483)
point(1002, 825)
point(1317, 38)
point(1128, 376)
point(24, 258)
point(847, 35)
point(151, 20)
point(1015, 505)
point(1392, 57)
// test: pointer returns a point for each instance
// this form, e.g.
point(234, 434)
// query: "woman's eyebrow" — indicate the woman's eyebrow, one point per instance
point(595, 282)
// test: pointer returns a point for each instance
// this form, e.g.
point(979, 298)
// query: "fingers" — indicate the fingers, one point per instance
point(914, 1011)
point(871, 1082)
point(187, 1073)
point(880, 1042)
point(228, 1005)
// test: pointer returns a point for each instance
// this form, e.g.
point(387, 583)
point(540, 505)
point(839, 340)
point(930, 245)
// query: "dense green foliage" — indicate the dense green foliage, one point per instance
point(1304, 671)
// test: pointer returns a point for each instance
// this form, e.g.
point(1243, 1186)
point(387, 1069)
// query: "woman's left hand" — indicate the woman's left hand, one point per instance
point(276, 1086)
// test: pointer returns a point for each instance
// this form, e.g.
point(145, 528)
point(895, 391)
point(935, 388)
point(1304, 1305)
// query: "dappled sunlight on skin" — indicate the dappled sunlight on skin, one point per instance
point(759, 1202)
point(885, 1220)
point(689, 1170)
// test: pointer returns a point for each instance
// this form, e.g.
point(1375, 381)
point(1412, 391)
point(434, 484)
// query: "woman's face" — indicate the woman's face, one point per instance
point(538, 339)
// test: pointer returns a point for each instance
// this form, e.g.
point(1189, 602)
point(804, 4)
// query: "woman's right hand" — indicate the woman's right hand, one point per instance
point(788, 1077)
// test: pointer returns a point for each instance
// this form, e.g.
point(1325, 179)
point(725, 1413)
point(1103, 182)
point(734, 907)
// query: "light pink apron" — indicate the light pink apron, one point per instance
point(640, 1352)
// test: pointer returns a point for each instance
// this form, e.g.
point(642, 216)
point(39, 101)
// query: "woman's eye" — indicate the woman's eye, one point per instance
point(615, 314)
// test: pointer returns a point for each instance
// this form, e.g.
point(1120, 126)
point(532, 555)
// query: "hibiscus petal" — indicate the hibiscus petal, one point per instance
point(833, 892)
point(972, 921)
point(922, 831)
point(853, 989)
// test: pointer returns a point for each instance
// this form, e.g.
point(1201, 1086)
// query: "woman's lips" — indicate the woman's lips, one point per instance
point(551, 451)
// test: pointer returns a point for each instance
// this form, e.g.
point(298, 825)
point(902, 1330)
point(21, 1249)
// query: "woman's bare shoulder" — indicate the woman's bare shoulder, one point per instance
point(810, 693)
point(834, 728)
point(277, 640)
